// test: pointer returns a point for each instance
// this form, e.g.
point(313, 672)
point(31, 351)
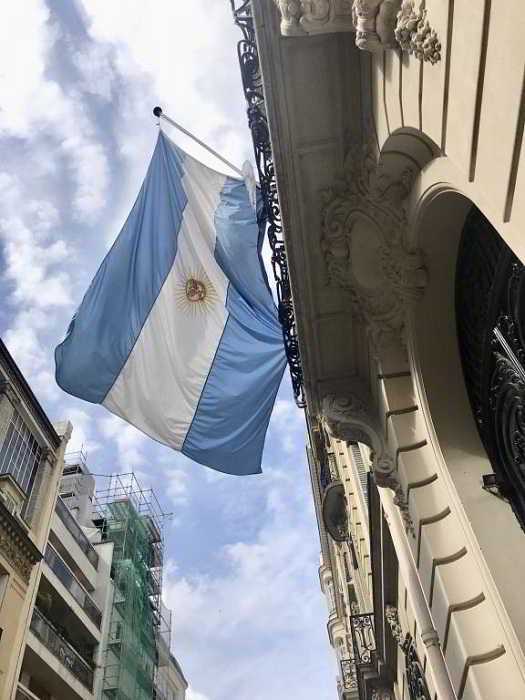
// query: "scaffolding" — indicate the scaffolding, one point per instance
point(140, 625)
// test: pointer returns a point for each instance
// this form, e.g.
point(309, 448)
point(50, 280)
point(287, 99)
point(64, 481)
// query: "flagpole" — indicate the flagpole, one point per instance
point(157, 111)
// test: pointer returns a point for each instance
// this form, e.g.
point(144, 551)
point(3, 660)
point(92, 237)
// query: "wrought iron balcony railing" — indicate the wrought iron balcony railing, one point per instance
point(76, 532)
point(69, 580)
point(271, 213)
point(61, 649)
point(349, 674)
point(363, 638)
point(490, 312)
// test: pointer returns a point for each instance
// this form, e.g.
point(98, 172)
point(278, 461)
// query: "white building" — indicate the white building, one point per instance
point(389, 141)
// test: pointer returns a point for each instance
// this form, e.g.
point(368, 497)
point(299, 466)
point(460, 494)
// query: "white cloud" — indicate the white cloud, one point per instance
point(194, 695)
point(130, 442)
point(251, 621)
point(31, 103)
point(83, 430)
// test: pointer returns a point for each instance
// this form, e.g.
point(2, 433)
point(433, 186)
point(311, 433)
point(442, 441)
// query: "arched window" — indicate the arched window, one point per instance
point(490, 315)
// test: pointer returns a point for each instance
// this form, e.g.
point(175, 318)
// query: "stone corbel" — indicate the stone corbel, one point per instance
point(352, 418)
point(301, 17)
point(374, 22)
point(363, 231)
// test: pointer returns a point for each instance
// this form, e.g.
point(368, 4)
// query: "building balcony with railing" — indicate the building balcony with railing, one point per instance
point(68, 579)
point(54, 664)
point(76, 532)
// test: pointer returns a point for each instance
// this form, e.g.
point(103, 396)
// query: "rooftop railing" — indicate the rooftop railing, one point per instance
point(68, 578)
point(76, 532)
point(61, 649)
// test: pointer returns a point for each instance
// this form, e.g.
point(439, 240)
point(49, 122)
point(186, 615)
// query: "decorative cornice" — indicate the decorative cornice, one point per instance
point(378, 24)
point(352, 418)
point(363, 226)
point(15, 376)
point(16, 546)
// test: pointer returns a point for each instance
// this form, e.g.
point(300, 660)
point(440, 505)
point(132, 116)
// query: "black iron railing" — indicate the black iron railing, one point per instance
point(417, 686)
point(349, 674)
point(70, 581)
point(76, 532)
point(490, 312)
point(271, 213)
point(61, 649)
point(363, 638)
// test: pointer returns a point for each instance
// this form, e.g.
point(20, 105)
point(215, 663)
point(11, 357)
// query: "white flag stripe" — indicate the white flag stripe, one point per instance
point(178, 340)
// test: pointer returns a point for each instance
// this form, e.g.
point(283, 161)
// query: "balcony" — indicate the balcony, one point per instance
point(76, 532)
point(68, 579)
point(61, 649)
point(363, 638)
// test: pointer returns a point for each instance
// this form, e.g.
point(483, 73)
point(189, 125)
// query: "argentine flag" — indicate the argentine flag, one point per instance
point(178, 333)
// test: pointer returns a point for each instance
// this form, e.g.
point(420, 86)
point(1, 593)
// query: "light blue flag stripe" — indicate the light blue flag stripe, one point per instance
point(101, 334)
point(230, 423)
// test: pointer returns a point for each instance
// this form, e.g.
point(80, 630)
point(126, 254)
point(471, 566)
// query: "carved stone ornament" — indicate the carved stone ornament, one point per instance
point(363, 225)
point(414, 34)
point(348, 418)
point(374, 22)
point(300, 17)
point(392, 617)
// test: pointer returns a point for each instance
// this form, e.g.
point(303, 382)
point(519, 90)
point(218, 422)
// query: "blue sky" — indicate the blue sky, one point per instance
point(78, 81)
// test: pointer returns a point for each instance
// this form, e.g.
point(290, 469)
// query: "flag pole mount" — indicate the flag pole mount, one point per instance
point(157, 111)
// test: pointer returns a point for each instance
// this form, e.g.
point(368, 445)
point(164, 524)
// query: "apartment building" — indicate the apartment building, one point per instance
point(31, 460)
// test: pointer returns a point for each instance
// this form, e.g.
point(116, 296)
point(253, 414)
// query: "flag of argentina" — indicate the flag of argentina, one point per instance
point(178, 333)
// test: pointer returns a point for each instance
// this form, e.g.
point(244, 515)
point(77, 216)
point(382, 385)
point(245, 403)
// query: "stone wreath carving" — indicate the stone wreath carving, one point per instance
point(363, 225)
point(414, 34)
point(348, 418)
point(392, 617)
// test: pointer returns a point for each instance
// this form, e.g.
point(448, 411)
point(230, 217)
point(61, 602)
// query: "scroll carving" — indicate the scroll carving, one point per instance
point(349, 418)
point(363, 225)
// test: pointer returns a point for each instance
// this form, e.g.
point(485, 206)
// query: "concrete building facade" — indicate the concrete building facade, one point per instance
point(389, 144)
point(31, 459)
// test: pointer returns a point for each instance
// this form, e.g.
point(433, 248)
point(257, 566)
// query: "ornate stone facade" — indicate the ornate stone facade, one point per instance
point(352, 418)
point(363, 226)
point(378, 24)
point(299, 17)
point(16, 546)
point(414, 34)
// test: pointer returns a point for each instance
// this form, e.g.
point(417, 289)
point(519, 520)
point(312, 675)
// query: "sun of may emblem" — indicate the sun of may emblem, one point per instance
point(195, 293)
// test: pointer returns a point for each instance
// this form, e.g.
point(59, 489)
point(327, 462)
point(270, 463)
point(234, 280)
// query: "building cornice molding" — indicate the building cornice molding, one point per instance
point(362, 241)
point(378, 24)
point(23, 390)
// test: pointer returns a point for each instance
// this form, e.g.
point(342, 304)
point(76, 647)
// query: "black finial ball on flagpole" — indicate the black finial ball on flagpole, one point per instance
point(157, 111)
